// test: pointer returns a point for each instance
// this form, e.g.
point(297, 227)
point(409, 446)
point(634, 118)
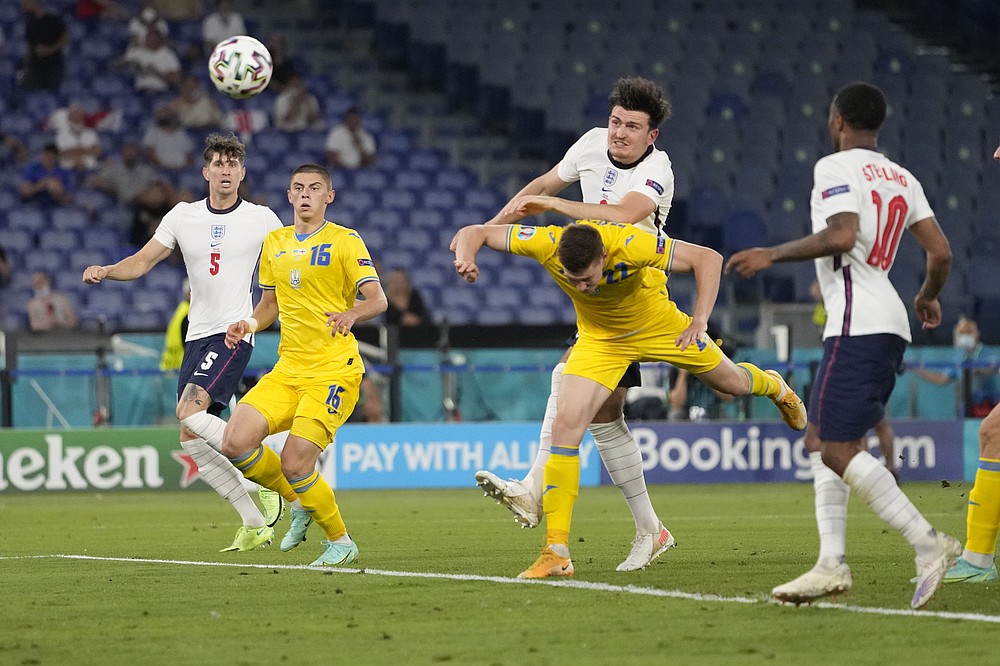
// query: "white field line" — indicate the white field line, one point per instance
point(576, 584)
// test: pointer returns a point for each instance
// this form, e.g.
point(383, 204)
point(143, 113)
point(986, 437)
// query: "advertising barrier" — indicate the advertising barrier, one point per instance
point(721, 452)
point(446, 455)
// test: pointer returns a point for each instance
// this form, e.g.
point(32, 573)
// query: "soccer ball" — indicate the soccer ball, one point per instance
point(240, 66)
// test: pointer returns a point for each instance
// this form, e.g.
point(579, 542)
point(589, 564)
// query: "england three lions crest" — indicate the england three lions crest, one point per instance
point(610, 177)
point(218, 231)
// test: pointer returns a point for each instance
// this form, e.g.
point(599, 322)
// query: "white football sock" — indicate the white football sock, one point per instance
point(874, 484)
point(978, 559)
point(622, 458)
point(832, 495)
point(207, 426)
point(225, 479)
point(533, 479)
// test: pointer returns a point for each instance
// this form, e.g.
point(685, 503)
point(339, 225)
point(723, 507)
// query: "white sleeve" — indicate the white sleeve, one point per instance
point(166, 231)
point(921, 207)
point(837, 190)
point(569, 165)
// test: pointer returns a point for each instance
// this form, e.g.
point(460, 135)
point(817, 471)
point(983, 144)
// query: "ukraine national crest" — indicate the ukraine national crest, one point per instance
point(295, 278)
point(218, 231)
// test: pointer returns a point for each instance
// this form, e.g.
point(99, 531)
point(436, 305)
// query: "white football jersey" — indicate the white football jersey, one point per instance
point(605, 180)
point(858, 296)
point(221, 249)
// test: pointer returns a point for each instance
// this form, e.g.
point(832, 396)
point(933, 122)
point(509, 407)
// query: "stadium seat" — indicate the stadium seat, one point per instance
point(69, 218)
point(16, 240)
point(743, 229)
point(59, 239)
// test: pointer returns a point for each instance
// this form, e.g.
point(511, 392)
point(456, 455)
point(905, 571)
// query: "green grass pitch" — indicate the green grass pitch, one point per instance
point(149, 591)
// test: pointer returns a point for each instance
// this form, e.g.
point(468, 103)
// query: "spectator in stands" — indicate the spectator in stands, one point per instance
point(166, 144)
point(12, 150)
point(4, 268)
point(223, 23)
point(126, 177)
point(47, 38)
point(982, 388)
point(349, 145)
point(44, 182)
point(91, 10)
point(149, 209)
point(155, 66)
point(49, 309)
point(282, 66)
point(148, 19)
point(406, 306)
point(180, 10)
point(297, 109)
point(173, 340)
point(194, 107)
point(79, 145)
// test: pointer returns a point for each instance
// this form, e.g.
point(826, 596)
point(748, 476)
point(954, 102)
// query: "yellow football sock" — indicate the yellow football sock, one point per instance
point(983, 520)
point(263, 466)
point(560, 487)
point(761, 383)
point(317, 498)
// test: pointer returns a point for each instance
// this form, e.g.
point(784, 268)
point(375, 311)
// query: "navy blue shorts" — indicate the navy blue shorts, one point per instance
point(632, 376)
point(210, 364)
point(855, 378)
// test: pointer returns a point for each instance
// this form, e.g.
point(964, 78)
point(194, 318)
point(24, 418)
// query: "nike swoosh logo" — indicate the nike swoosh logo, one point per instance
point(200, 374)
point(261, 531)
point(216, 244)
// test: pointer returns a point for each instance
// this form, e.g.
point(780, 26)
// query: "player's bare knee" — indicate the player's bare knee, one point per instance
point(989, 435)
point(613, 407)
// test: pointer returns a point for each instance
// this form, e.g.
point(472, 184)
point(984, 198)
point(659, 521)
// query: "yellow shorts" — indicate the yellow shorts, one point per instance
point(311, 408)
point(605, 361)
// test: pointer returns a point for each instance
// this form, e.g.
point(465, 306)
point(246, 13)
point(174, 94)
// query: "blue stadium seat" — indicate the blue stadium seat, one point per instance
point(498, 315)
point(150, 320)
point(28, 218)
point(707, 206)
point(48, 261)
point(70, 218)
point(535, 316)
point(59, 239)
point(743, 229)
point(154, 300)
point(16, 240)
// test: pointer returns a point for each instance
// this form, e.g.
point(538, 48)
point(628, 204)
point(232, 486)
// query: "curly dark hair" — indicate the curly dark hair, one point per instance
point(226, 146)
point(638, 94)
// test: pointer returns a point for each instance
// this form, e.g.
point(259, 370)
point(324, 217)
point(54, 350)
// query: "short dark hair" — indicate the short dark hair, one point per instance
point(579, 246)
point(638, 94)
point(225, 146)
point(314, 168)
point(861, 105)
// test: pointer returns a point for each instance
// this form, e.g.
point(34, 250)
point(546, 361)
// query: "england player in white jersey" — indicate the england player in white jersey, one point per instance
point(220, 238)
point(624, 178)
point(861, 203)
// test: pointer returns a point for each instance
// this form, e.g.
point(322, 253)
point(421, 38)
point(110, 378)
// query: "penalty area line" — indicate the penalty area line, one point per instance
point(562, 582)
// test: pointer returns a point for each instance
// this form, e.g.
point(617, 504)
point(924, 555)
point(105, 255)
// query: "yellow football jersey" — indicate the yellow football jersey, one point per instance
point(633, 297)
point(312, 276)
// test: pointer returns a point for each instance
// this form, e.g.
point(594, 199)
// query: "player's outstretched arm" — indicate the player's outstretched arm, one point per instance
point(839, 237)
point(131, 267)
point(548, 184)
point(373, 304)
point(706, 264)
point(470, 239)
point(928, 233)
point(263, 316)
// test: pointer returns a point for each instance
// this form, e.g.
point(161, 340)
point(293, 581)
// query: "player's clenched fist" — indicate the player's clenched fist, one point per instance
point(94, 274)
point(467, 269)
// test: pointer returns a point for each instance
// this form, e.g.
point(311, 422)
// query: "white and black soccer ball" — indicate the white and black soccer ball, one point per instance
point(240, 66)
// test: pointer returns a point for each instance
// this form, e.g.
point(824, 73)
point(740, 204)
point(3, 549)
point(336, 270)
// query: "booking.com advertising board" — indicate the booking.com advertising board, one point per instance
point(447, 455)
